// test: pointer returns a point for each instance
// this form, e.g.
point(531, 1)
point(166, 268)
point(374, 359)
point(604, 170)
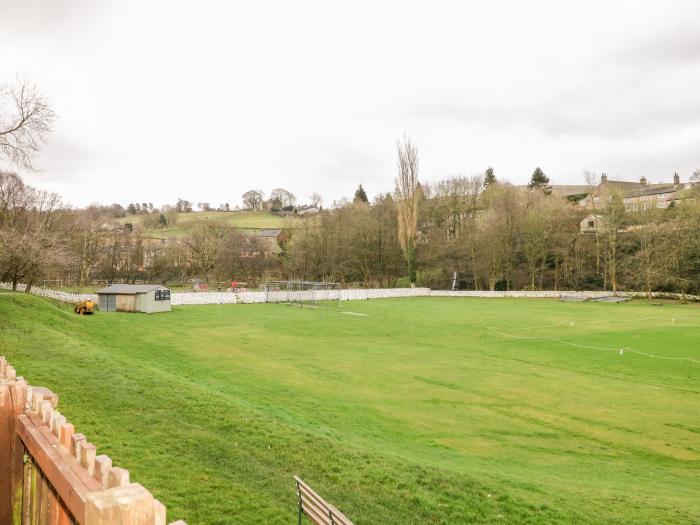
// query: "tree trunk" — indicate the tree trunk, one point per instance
point(613, 265)
point(411, 260)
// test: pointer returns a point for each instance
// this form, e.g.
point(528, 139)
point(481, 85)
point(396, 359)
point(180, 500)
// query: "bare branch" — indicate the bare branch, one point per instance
point(26, 121)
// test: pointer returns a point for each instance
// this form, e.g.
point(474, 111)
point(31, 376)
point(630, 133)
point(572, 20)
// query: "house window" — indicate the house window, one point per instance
point(591, 225)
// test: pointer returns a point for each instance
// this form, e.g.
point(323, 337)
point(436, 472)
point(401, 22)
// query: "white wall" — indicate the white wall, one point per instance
point(351, 294)
point(180, 298)
point(555, 294)
point(55, 294)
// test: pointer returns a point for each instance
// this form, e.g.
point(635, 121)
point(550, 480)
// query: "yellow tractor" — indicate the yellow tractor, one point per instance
point(84, 308)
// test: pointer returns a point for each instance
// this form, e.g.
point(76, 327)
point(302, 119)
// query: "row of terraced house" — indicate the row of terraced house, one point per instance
point(636, 197)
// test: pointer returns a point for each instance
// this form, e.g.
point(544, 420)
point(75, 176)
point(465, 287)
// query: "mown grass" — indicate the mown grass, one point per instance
point(423, 411)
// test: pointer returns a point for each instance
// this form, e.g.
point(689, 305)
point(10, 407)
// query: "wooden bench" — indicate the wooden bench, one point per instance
point(316, 508)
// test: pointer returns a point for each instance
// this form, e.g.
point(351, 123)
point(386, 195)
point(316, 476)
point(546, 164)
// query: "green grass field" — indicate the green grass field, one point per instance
point(431, 410)
point(245, 220)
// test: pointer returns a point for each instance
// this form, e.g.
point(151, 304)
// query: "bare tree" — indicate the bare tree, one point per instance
point(26, 120)
point(253, 199)
point(15, 200)
point(614, 223)
point(204, 243)
point(285, 197)
point(316, 200)
point(592, 180)
point(407, 198)
point(33, 229)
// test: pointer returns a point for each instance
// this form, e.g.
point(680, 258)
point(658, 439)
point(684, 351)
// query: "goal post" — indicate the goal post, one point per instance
point(304, 294)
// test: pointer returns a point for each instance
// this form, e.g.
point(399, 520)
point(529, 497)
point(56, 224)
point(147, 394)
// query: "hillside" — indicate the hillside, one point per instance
point(248, 220)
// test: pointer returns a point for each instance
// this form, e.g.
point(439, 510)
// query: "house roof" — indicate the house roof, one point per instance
point(129, 289)
point(664, 188)
point(623, 183)
point(564, 190)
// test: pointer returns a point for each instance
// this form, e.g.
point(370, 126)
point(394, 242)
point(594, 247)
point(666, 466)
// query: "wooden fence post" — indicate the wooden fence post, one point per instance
point(13, 399)
point(18, 390)
point(126, 505)
point(6, 439)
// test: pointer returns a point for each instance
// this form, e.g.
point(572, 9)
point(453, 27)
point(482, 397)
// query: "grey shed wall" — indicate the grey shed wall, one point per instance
point(146, 302)
point(108, 302)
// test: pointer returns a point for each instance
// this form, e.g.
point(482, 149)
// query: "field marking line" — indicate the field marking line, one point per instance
point(589, 347)
point(504, 334)
point(663, 357)
point(607, 349)
point(355, 313)
point(542, 326)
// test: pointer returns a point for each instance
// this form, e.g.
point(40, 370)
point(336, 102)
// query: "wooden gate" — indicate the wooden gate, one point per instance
point(50, 475)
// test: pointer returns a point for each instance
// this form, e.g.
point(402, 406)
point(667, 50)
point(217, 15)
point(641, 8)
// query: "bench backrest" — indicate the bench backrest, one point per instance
point(316, 508)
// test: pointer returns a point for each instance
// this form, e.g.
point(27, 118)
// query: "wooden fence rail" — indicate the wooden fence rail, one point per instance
point(51, 475)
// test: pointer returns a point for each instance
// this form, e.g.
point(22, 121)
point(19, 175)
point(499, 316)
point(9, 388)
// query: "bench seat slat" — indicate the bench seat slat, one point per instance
point(321, 510)
point(339, 518)
point(316, 515)
point(304, 489)
point(316, 508)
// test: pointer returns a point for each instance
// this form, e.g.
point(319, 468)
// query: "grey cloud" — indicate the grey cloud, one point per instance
point(612, 106)
point(41, 18)
point(673, 44)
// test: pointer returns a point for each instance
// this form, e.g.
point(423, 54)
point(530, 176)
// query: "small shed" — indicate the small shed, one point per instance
point(146, 298)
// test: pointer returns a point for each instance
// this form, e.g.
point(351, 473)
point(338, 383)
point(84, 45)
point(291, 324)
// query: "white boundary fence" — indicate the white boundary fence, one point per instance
point(66, 297)
point(182, 298)
point(551, 294)
point(353, 294)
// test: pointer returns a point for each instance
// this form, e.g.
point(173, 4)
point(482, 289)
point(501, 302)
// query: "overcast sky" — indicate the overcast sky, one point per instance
point(204, 100)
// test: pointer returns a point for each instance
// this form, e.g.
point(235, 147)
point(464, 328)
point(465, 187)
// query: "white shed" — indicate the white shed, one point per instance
point(146, 298)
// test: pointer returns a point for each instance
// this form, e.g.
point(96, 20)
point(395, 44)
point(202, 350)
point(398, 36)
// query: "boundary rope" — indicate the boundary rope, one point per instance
point(607, 349)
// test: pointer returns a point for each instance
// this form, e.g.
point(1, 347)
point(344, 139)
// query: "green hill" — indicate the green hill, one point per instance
point(247, 220)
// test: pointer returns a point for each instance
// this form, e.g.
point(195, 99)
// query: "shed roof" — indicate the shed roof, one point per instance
point(129, 289)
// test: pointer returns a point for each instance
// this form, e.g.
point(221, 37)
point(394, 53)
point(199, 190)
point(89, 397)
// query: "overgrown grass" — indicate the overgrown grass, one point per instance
point(423, 411)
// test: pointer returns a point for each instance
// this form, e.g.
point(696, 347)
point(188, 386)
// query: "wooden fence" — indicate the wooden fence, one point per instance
point(51, 475)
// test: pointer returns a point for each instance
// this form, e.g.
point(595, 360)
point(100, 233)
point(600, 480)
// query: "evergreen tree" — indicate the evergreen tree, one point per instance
point(360, 195)
point(489, 177)
point(540, 181)
point(162, 220)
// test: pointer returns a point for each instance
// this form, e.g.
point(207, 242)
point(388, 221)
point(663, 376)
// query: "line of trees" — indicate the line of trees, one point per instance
point(43, 239)
point(497, 236)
